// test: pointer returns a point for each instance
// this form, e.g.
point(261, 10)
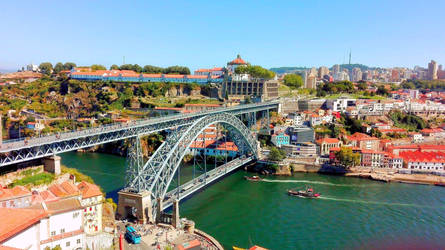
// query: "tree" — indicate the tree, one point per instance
point(276, 155)
point(149, 69)
point(177, 70)
point(46, 68)
point(58, 68)
point(347, 158)
point(114, 67)
point(294, 81)
point(255, 71)
point(362, 86)
point(69, 66)
point(97, 67)
point(381, 90)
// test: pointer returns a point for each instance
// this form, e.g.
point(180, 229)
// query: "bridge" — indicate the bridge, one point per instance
point(22, 150)
point(145, 194)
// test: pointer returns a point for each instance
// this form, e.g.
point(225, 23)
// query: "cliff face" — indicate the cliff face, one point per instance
point(181, 91)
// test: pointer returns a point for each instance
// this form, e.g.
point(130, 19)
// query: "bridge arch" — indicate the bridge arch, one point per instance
point(157, 173)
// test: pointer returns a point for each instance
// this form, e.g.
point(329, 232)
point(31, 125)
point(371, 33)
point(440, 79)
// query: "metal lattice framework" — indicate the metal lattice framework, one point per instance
point(13, 152)
point(159, 170)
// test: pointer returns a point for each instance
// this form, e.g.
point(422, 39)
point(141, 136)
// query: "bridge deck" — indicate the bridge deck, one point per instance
point(203, 180)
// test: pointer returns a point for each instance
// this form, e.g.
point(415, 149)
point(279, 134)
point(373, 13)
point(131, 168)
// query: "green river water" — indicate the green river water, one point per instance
point(352, 213)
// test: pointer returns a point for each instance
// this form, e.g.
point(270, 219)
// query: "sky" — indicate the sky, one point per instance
point(202, 34)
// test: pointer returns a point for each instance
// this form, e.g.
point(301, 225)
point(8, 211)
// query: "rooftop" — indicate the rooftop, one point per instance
point(15, 220)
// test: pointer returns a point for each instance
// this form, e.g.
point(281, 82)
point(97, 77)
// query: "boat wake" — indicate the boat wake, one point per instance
point(312, 182)
point(378, 202)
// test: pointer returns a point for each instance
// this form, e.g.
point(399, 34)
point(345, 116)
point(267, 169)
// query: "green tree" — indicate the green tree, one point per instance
point(294, 81)
point(114, 67)
point(255, 71)
point(347, 158)
point(276, 154)
point(97, 67)
point(46, 68)
point(149, 69)
point(362, 86)
point(58, 68)
point(381, 90)
point(69, 66)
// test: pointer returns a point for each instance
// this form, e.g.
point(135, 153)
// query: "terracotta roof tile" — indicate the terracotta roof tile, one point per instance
point(88, 190)
point(15, 220)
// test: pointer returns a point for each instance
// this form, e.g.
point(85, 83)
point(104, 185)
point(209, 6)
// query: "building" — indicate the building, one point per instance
point(436, 133)
point(341, 104)
point(310, 81)
point(49, 224)
point(92, 199)
point(325, 145)
point(257, 88)
point(280, 138)
point(214, 148)
point(363, 141)
point(335, 69)
point(16, 197)
point(322, 71)
point(210, 72)
point(310, 104)
point(303, 149)
point(300, 134)
point(132, 76)
point(424, 161)
point(232, 65)
point(432, 70)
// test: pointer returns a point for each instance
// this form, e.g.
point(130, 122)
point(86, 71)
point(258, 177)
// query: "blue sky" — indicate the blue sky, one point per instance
point(210, 33)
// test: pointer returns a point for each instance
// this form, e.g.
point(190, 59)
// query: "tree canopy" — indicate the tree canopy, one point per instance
point(347, 158)
point(276, 154)
point(97, 67)
point(294, 81)
point(58, 68)
point(255, 71)
point(46, 68)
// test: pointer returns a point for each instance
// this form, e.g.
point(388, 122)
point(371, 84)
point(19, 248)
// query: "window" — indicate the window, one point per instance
point(53, 233)
point(78, 241)
point(67, 243)
point(62, 230)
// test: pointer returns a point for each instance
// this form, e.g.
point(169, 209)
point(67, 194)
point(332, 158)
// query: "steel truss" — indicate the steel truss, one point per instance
point(35, 148)
point(158, 171)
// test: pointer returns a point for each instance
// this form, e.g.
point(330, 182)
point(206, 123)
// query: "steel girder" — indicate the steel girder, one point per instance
point(159, 170)
point(35, 148)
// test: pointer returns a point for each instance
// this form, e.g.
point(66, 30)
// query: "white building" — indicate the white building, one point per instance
point(341, 104)
point(92, 200)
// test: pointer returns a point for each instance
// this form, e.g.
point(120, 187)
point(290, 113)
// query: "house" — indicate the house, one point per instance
point(325, 144)
point(433, 132)
point(16, 197)
point(416, 137)
point(92, 199)
point(48, 224)
point(363, 141)
point(280, 138)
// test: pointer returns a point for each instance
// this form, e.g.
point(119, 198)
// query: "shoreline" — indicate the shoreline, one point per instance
point(383, 175)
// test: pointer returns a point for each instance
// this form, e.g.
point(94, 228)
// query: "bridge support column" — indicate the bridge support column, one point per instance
point(135, 206)
point(52, 164)
point(175, 213)
point(159, 210)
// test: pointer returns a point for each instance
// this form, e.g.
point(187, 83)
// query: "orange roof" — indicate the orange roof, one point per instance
point(89, 190)
point(238, 60)
point(201, 105)
point(431, 130)
point(335, 149)
point(67, 188)
point(327, 140)
point(417, 156)
point(167, 108)
point(197, 77)
point(15, 220)
point(174, 76)
point(152, 75)
point(17, 191)
point(8, 248)
point(189, 245)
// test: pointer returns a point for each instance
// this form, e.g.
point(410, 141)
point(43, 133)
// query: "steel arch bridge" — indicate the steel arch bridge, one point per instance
point(157, 173)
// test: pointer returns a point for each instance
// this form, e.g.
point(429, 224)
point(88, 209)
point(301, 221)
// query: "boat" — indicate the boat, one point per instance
point(238, 248)
point(440, 184)
point(307, 193)
point(253, 178)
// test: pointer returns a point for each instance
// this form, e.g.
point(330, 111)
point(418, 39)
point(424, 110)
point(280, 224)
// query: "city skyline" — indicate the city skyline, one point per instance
point(310, 34)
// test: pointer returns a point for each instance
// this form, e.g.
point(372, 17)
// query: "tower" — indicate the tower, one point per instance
point(349, 57)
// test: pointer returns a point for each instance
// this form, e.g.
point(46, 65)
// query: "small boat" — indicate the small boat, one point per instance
point(238, 248)
point(440, 184)
point(308, 193)
point(253, 178)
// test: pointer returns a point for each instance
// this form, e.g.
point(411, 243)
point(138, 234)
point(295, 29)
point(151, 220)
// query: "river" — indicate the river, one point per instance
point(352, 212)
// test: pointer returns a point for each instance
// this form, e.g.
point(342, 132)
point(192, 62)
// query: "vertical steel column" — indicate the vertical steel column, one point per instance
point(135, 163)
point(179, 179)
point(205, 158)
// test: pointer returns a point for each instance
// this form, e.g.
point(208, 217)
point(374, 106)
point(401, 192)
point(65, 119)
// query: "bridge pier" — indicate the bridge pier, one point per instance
point(175, 213)
point(52, 164)
point(135, 205)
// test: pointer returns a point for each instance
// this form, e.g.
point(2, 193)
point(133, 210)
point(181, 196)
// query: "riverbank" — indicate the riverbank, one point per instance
point(386, 175)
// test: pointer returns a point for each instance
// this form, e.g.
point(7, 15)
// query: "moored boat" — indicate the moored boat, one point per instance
point(440, 184)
